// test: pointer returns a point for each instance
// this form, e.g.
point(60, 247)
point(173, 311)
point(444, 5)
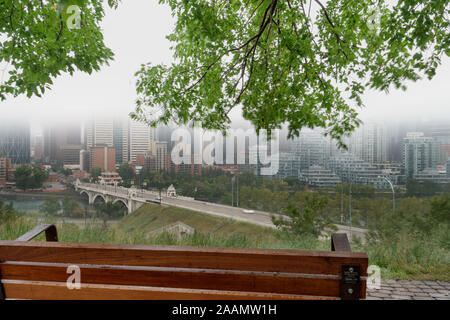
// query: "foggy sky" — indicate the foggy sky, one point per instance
point(136, 33)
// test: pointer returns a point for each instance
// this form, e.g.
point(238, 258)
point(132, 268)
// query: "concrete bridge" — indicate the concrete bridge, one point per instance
point(131, 198)
point(134, 198)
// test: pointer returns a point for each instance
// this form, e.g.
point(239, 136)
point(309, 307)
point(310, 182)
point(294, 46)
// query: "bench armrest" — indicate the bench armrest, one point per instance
point(339, 242)
point(49, 229)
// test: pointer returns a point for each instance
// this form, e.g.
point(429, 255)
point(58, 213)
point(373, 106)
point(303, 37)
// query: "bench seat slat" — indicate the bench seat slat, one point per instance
point(291, 261)
point(286, 283)
point(15, 289)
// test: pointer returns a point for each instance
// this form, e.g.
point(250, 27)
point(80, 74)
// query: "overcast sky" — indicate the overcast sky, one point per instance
point(136, 33)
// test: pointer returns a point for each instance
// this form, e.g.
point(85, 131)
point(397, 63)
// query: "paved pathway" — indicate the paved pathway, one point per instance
point(410, 290)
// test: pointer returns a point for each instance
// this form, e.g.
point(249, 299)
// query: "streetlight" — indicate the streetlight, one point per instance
point(237, 191)
point(342, 201)
point(232, 191)
point(393, 192)
point(350, 202)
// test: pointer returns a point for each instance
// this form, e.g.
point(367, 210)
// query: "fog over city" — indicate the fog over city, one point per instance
point(95, 205)
point(136, 33)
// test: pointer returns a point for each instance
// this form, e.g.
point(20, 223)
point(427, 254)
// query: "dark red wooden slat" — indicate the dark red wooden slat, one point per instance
point(178, 278)
point(292, 261)
point(58, 291)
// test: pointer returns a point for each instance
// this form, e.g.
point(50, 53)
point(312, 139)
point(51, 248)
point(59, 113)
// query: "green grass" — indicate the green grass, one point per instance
point(409, 258)
point(151, 217)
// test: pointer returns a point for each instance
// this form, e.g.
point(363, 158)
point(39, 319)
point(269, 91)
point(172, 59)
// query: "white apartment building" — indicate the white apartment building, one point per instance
point(419, 153)
point(370, 143)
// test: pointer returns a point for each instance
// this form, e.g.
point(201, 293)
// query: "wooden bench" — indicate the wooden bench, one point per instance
point(39, 270)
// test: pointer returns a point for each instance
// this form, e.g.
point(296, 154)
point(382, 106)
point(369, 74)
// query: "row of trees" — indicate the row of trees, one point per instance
point(53, 207)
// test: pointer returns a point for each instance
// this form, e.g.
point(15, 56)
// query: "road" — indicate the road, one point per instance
point(258, 217)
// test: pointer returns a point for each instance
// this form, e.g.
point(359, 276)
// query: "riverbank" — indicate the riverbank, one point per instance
point(38, 195)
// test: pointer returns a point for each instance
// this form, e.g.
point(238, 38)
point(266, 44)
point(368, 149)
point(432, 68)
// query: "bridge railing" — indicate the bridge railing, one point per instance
point(118, 190)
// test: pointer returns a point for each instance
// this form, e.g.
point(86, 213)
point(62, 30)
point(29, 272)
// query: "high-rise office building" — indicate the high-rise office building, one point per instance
point(448, 167)
point(287, 166)
point(370, 143)
point(141, 136)
point(311, 148)
point(37, 148)
point(156, 159)
point(15, 141)
point(62, 143)
point(441, 132)
point(99, 132)
point(420, 153)
point(84, 160)
point(121, 140)
point(102, 157)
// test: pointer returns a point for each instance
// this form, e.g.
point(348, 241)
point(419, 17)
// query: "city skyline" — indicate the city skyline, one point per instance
point(375, 149)
point(137, 32)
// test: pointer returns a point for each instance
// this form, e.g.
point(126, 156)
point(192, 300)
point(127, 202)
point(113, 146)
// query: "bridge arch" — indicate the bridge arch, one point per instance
point(98, 195)
point(84, 192)
point(124, 202)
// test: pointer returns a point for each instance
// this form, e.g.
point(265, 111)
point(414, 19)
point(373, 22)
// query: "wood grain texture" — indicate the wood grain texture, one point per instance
point(291, 261)
point(58, 291)
point(50, 233)
point(339, 242)
point(286, 283)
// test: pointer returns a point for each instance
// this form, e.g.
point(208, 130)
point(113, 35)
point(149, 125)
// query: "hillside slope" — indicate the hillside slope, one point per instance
point(151, 217)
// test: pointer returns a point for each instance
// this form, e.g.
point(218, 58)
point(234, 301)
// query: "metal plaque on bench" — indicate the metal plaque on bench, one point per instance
point(351, 282)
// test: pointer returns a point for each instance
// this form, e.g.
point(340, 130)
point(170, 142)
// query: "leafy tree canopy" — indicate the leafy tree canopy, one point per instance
point(39, 42)
point(126, 172)
point(306, 63)
point(28, 177)
point(305, 221)
point(95, 173)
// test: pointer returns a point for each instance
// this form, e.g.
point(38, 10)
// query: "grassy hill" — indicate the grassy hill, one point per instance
point(151, 217)
point(209, 230)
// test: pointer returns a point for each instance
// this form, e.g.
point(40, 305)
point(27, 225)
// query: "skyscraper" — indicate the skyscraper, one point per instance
point(121, 140)
point(448, 167)
point(62, 143)
point(99, 132)
point(311, 148)
point(141, 136)
point(419, 153)
point(15, 141)
point(370, 143)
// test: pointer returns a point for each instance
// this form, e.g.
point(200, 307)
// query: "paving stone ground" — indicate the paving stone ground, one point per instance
point(410, 290)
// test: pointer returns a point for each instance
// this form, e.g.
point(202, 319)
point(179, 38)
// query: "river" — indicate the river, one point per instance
point(29, 203)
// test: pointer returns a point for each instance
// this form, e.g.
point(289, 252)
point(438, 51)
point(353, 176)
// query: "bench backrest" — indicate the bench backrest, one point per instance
point(38, 270)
